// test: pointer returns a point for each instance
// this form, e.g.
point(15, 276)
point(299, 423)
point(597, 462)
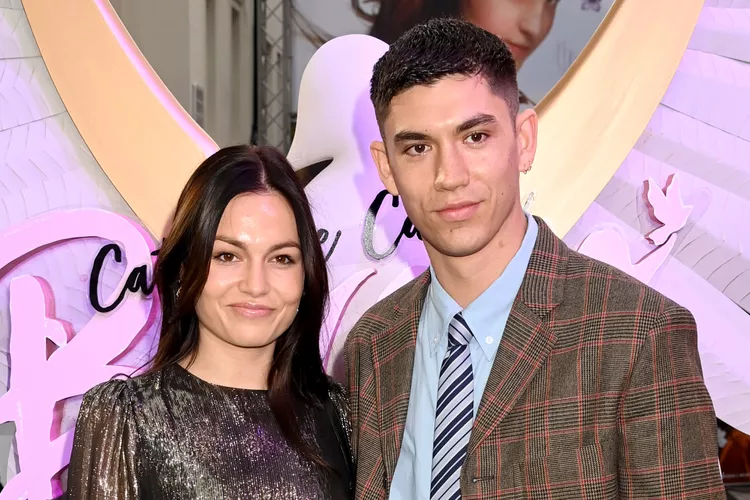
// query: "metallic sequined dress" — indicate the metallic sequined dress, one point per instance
point(170, 435)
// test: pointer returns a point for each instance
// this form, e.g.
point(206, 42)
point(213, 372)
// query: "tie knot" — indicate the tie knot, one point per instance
point(459, 332)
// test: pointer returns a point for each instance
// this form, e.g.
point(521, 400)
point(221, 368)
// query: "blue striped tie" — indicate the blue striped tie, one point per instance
point(454, 415)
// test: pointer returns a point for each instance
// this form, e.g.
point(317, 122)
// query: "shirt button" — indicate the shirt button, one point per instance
point(489, 340)
point(435, 340)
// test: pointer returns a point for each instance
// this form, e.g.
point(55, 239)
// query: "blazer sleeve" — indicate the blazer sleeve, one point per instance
point(365, 441)
point(668, 425)
point(102, 464)
point(353, 386)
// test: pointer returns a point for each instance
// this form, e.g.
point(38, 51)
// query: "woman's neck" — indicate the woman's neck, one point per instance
point(221, 363)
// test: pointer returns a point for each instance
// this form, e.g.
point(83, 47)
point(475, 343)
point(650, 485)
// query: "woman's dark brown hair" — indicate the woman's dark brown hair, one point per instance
point(296, 375)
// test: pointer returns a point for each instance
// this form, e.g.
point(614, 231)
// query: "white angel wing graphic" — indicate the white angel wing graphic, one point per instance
point(701, 133)
point(336, 122)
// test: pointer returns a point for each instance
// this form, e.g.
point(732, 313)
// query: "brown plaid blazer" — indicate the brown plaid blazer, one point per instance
point(596, 391)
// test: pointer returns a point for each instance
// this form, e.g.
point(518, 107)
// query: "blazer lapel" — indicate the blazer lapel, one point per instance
point(393, 360)
point(527, 339)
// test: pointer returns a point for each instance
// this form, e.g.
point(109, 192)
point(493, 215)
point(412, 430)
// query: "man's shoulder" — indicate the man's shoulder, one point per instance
point(386, 311)
point(615, 286)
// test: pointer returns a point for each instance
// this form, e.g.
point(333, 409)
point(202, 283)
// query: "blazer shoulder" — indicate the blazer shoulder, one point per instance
point(621, 286)
point(386, 311)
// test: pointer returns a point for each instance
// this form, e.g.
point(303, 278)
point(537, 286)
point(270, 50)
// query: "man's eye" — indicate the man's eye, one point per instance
point(417, 149)
point(476, 137)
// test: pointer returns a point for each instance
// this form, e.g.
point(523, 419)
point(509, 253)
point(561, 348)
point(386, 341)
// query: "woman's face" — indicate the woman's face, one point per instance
point(256, 276)
point(522, 24)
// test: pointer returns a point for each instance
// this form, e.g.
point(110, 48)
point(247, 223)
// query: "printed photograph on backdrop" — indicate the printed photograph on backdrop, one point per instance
point(545, 36)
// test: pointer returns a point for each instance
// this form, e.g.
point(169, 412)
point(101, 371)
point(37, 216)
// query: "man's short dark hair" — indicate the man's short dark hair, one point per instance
point(439, 48)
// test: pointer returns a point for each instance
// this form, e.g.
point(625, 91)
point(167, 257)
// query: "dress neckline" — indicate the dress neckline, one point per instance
point(186, 374)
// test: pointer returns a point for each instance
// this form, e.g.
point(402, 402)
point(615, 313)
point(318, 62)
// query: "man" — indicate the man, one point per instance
point(514, 367)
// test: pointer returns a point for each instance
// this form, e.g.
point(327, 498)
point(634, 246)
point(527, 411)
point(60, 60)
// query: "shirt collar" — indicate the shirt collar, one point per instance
point(444, 306)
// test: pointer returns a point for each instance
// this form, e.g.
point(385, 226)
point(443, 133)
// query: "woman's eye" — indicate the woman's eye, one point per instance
point(225, 257)
point(284, 260)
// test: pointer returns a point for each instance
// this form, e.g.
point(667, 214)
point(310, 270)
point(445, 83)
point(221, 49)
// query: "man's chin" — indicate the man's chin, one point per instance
point(459, 247)
point(460, 252)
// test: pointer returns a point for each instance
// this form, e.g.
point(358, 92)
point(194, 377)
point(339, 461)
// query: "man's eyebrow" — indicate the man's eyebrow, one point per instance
point(474, 121)
point(408, 135)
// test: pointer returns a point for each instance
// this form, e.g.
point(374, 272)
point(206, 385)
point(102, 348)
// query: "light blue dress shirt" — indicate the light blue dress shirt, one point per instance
point(486, 317)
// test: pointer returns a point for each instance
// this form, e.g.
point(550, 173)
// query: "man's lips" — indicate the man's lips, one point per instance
point(457, 212)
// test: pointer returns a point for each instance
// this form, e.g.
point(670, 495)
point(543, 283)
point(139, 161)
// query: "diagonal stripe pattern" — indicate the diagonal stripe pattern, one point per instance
point(455, 413)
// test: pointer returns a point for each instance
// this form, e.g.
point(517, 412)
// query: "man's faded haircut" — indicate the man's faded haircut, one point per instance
point(439, 48)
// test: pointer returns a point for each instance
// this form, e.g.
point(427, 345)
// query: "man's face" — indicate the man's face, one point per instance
point(453, 153)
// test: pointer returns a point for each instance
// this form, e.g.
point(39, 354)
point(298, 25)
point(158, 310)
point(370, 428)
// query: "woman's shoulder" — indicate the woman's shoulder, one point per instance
point(119, 392)
point(104, 411)
point(110, 393)
point(107, 436)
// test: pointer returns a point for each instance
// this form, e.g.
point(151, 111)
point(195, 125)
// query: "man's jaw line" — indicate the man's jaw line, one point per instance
point(466, 277)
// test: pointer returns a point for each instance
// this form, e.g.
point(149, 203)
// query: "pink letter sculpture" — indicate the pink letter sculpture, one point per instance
point(38, 380)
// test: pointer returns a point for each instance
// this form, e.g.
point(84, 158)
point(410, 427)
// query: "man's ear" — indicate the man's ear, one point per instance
point(380, 157)
point(526, 135)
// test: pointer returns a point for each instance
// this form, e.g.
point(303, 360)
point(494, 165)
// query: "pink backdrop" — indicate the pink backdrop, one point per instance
point(675, 215)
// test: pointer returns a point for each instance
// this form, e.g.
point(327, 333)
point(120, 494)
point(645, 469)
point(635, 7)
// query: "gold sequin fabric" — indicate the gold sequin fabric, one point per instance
point(170, 435)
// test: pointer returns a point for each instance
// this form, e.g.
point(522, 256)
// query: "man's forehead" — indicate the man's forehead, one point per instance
point(443, 86)
point(452, 111)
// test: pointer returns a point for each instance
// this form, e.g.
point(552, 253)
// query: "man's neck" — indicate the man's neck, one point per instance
point(466, 278)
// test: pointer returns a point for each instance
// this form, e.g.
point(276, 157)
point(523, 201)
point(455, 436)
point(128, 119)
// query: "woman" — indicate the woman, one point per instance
point(236, 403)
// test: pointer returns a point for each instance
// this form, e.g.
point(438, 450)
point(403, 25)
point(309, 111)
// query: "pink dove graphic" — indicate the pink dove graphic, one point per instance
point(609, 245)
point(666, 207)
